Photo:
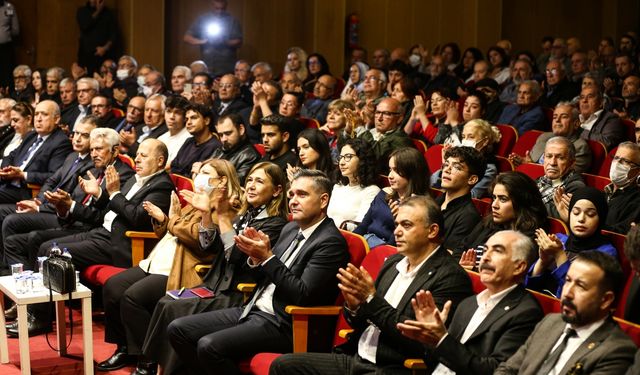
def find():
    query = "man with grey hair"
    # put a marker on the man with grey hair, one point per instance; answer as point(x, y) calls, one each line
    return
point(522, 71)
point(558, 160)
point(198, 66)
point(262, 72)
point(52, 89)
point(153, 126)
point(86, 89)
point(486, 328)
point(180, 76)
point(526, 113)
point(5, 113)
point(22, 90)
point(597, 123)
point(228, 100)
point(557, 86)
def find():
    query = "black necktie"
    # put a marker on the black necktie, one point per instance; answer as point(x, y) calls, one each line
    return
point(283, 258)
point(550, 363)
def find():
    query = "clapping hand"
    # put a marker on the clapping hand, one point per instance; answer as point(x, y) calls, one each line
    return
point(90, 186)
point(468, 259)
point(255, 244)
point(428, 327)
point(356, 285)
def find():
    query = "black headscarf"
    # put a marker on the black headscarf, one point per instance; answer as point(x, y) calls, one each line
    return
point(576, 244)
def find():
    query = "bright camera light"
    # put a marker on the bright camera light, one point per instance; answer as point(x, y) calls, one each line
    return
point(214, 29)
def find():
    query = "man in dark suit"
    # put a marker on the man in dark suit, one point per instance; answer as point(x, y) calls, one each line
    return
point(152, 128)
point(86, 89)
point(582, 338)
point(228, 100)
point(121, 210)
point(373, 311)
point(39, 155)
point(39, 213)
point(597, 123)
point(300, 271)
point(632, 252)
point(24, 233)
point(487, 328)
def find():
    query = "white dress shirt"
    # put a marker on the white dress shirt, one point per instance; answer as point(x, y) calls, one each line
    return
point(582, 334)
point(587, 123)
point(140, 182)
point(368, 343)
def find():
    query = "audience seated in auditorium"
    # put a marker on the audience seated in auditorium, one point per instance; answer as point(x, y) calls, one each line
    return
point(380, 59)
point(499, 60)
point(557, 87)
point(134, 116)
point(623, 193)
point(486, 328)
point(228, 99)
point(440, 78)
point(186, 241)
point(313, 153)
point(374, 309)
point(559, 173)
point(298, 270)
point(375, 83)
point(323, 91)
point(180, 76)
point(461, 170)
point(386, 136)
point(102, 109)
point(19, 125)
point(405, 92)
point(526, 113)
point(489, 87)
point(68, 95)
point(242, 71)
point(356, 188)
point(266, 97)
point(236, 147)
point(153, 126)
point(22, 89)
point(264, 208)
point(39, 156)
point(579, 67)
point(483, 137)
point(276, 136)
point(154, 84)
point(628, 108)
point(597, 123)
point(202, 143)
point(355, 83)
point(295, 63)
point(337, 123)
point(592, 277)
point(408, 176)
point(587, 211)
point(86, 89)
point(317, 66)
point(521, 71)
point(175, 119)
point(516, 205)
point(52, 90)
point(289, 82)
point(565, 124)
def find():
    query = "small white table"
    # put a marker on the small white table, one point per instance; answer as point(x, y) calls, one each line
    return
point(7, 287)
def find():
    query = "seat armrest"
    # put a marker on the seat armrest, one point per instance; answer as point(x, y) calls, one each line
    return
point(344, 333)
point(137, 244)
point(414, 364)
point(300, 319)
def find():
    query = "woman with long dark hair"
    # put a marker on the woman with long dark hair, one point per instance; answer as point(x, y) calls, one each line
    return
point(317, 66)
point(408, 175)
point(517, 205)
point(313, 153)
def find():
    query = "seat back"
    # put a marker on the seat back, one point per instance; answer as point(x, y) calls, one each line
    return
point(372, 262)
point(127, 160)
point(532, 170)
point(434, 158)
point(358, 247)
point(482, 206)
point(606, 163)
point(260, 148)
point(557, 226)
point(629, 130)
point(503, 164)
point(526, 142)
point(617, 240)
point(422, 147)
point(622, 298)
point(598, 154)
point(631, 329)
point(117, 112)
point(508, 140)
point(476, 284)
point(595, 181)
point(181, 183)
point(549, 304)
point(310, 123)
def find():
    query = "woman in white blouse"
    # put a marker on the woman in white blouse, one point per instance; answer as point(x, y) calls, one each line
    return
point(22, 124)
point(352, 196)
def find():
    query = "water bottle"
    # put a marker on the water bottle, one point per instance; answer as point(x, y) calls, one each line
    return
point(55, 249)
point(66, 253)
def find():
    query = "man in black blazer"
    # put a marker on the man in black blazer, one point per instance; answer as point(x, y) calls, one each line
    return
point(39, 213)
point(38, 157)
point(121, 210)
point(24, 233)
point(228, 100)
point(587, 339)
point(486, 328)
point(597, 123)
point(152, 128)
point(374, 311)
point(300, 271)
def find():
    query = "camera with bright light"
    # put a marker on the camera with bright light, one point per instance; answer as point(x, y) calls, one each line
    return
point(214, 29)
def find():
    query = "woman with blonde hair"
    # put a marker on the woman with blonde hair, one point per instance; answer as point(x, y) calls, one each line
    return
point(297, 63)
point(264, 208)
point(171, 264)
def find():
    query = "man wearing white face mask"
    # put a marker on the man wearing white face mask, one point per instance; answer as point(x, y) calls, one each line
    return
point(623, 194)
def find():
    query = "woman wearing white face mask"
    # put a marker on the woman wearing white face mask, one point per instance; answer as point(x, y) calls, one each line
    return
point(264, 208)
point(483, 137)
point(171, 264)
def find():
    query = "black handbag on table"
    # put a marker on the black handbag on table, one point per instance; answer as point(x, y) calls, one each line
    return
point(59, 274)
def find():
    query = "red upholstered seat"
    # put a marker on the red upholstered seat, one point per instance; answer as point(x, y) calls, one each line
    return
point(526, 142)
point(98, 274)
point(509, 139)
